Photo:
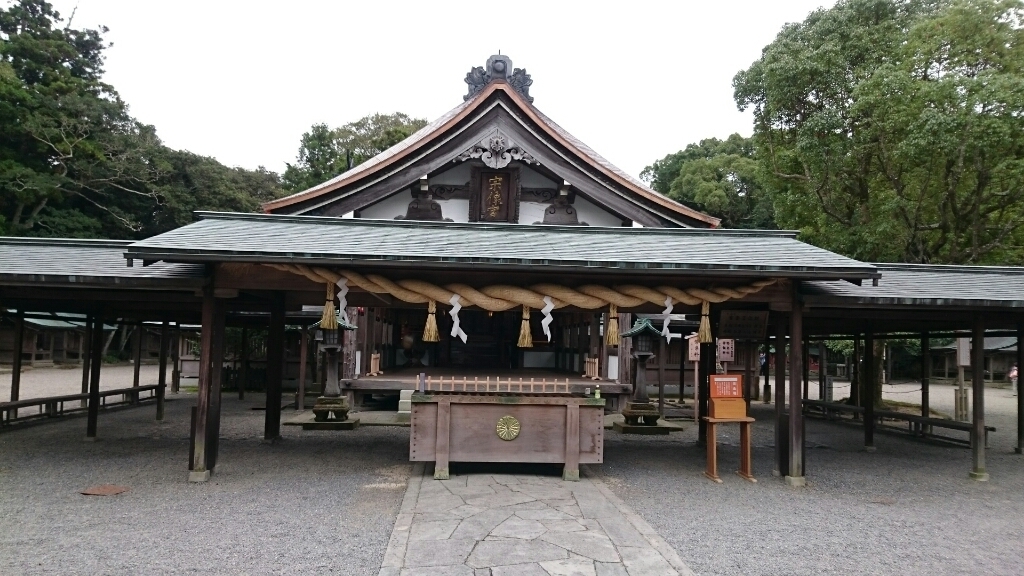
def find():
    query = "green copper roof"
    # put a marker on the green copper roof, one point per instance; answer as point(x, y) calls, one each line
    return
point(639, 327)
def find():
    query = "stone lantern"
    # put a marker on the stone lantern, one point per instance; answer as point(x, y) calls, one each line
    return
point(639, 411)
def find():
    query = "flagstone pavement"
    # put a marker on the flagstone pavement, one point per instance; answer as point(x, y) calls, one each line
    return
point(522, 525)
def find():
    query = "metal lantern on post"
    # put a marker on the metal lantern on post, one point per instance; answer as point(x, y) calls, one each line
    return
point(639, 411)
point(331, 403)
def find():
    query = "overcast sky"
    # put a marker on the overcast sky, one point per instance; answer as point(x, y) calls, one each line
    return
point(241, 81)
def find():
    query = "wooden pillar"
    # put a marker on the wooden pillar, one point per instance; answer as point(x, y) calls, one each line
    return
point(176, 359)
point(96, 351)
point(137, 351)
point(243, 371)
point(603, 349)
point(662, 348)
point(978, 389)
point(275, 368)
point(161, 378)
point(855, 374)
point(867, 391)
point(300, 400)
point(781, 433)
point(202, 445)
point(1020, 389)
point(767, 393)
point(86, 355)
point(926, 373)
point(708, 353)
point(822, 369)
point(19, 343)
point(795, 477)
point(806, 360)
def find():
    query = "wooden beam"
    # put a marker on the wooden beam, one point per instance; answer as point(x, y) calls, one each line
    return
point(978, 471)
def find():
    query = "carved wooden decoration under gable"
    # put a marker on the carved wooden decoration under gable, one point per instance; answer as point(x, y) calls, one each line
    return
point(494, 195)
point(496, 150)
point(562, 212)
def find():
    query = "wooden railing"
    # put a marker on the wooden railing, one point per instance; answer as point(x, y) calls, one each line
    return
point(592, 369)
point(497, 385)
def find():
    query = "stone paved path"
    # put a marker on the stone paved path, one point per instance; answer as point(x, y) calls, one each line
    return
point(519, 525)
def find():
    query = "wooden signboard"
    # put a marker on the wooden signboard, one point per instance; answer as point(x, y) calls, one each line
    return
point(694, 348)
point(727, 397)
point(494, 196)
point(963, 352)
point(743, 325)
point(727, 386)
point(726, 350)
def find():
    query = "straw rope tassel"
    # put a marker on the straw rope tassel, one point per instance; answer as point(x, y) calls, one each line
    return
point(430, 330)
point(525, 337)
point(704, 332)
point(612, 333)
point(329, 319)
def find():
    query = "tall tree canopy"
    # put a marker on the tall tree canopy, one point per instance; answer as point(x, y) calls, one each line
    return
point(719, 177)
point(73, 162)
point(893, 130)
point(325, 152)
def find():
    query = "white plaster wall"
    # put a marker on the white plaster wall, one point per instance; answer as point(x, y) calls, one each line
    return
point(531, 179)
point(457, 176)
point(398, 205)
point(594, 215)
point(530, 212)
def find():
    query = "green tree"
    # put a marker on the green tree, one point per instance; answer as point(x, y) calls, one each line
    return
point(74, 163)
point(894, 130)
point(719, 177)
point(325, 152)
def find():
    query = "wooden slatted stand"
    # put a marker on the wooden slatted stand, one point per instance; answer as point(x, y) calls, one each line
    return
point(746, 461)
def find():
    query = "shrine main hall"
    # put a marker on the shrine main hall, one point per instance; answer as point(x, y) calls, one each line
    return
point(510, 287)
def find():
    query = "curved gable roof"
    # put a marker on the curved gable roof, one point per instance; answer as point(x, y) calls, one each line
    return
point(421, 138)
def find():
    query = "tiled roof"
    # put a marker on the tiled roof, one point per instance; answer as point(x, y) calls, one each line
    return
point(42, 261)
point(925, 285)
point(306, 239)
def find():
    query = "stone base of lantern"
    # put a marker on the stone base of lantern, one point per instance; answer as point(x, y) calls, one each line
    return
point(331, 413)
point(641, 418)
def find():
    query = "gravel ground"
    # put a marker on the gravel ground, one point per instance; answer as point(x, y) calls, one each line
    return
point(908, 508)
point(42, 382)
point(315, 502)
point(322, 502)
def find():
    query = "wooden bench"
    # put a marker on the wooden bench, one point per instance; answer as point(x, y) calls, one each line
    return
point(917, 425)
point(53, 406)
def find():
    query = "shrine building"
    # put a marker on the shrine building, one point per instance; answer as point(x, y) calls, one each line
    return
point(492, 247)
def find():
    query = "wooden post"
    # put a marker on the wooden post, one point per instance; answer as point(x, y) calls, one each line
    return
point(86, 354)
point(19, 343)
point(796, 425)
point(822, 369)
point(603, 350)
point(926, 373)
point(806, 359)
point(96, 350)
point(781, 434)
point(1020, 389)
point(300, 401)
point(200, 472)
point(137, 341)
point(216, 385)
point(661, 375)
point(275, 368)
point(176, 360)
point(978, 388)
point(243, 371)
point(161, 378)
point(855, 374)
point(867, 391)
point(766, 395)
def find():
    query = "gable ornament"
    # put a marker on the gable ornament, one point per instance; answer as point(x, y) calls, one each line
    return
point(496, 150)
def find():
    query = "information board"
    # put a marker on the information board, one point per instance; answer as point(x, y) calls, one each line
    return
point(727, 386)
point(726, 350)
point(743, 325)
point(694, 348)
